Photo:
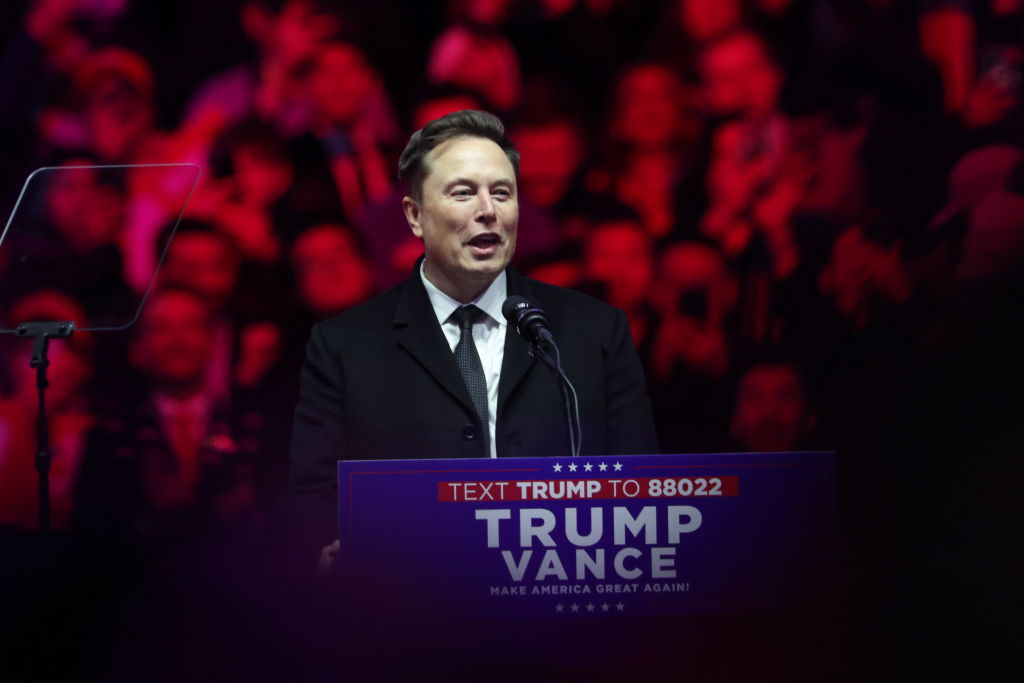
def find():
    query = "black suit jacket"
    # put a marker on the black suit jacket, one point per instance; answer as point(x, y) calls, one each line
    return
point(380, 381)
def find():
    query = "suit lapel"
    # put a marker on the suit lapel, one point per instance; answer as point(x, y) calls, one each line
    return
point(516, 360)
point(418, 332)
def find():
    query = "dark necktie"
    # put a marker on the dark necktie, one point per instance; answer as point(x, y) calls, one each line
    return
point(468, 360)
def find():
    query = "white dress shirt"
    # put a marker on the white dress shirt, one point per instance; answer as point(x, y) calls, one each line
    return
point(488, 335)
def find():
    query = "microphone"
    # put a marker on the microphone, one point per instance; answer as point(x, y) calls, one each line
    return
point(531, 322)
point(533, 325)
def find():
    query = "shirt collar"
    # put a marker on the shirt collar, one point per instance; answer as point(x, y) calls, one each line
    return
point(489, 301)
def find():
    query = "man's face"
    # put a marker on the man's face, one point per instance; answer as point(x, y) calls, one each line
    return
point(117, 116)
point(647, 106)
point(175, 343)
point(204, 263)
point(260, 177)
point(740, 78)
point(705, 19)
point(771, 409)
point(341, 82)
point(331, 273)
point(551, 155)
point(619, 255)
point(468, 215)
point(686, 273)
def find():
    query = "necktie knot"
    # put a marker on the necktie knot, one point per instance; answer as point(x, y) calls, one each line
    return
point(467, 316)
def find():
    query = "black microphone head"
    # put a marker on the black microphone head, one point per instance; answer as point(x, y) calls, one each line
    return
point(513, 306)
point(531, 322)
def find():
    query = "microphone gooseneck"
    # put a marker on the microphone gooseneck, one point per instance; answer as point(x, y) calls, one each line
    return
point(533, 325)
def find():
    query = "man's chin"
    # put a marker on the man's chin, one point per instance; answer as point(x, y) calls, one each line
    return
point(487, 266)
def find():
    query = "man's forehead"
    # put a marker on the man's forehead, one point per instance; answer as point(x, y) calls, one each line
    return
point(465, 155)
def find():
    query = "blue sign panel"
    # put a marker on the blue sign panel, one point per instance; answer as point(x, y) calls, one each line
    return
point(587, 537)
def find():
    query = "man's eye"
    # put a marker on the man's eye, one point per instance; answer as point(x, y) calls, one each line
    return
point(462, 193)
point(501, 194)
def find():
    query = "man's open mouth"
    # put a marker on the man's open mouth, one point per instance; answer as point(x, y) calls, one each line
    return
point(485, 241)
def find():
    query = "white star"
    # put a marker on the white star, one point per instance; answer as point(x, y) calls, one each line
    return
point(588, 467)
point(618, 466)
point(572, 467)
point(603, 467)
point(559, 608)
point(556, 467)
point(620, 607)
point(575, 607)
point(590, 607)
point(605, 606)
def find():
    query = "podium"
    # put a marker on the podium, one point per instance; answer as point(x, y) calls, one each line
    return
point(588, 538)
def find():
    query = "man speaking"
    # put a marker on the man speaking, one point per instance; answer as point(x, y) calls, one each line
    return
point(431, 369)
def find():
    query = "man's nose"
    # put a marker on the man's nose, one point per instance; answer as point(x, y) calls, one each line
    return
point(485, 209)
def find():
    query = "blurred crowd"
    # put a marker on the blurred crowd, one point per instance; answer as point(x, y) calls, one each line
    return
point(811, 211)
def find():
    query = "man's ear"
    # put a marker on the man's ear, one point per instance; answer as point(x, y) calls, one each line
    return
point(412, 215)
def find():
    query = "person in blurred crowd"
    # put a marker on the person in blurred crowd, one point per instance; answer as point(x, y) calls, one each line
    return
point(555, 148)
point(766, 174)
point(617, 266)
point(250, 195)
point(741, 85)
point(686, 26)
point(204, 259)
point(109, 113)
point(947, 34)
point(68, 410)
point(173, 460)
point(208, 262)
point(472, 53)
point(285, 34)
point(695, 296)
point(690, 349)
point(341, 160)
point(331, 270)
point(551, 132)
point(773, 411)
point(653, 129)
point(740, 77)
point(753, 192)
point(245, 299)
point(865, 278)
point(706, 20)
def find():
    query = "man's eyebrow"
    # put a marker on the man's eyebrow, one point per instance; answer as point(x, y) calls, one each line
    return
point(468, 181)
point(459, 181)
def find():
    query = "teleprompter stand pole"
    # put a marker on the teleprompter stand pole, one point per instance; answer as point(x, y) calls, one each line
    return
point(43, 332)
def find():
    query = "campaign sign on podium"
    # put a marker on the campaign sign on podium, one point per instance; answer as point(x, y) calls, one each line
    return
point(589, 536)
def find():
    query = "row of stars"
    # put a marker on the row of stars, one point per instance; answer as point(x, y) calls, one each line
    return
point(587, 467)
point(590, 607)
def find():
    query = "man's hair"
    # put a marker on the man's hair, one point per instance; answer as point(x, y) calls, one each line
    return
point(412, 166)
